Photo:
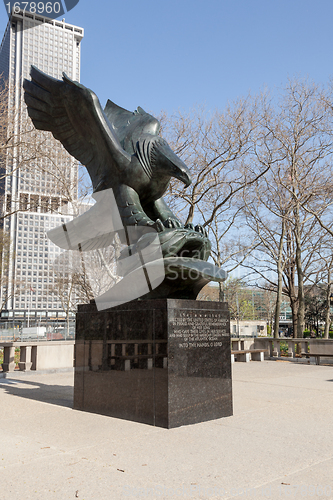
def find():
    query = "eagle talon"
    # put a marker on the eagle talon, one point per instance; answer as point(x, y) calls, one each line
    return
point(158, 225)
point(172, 223)
point(200, 229)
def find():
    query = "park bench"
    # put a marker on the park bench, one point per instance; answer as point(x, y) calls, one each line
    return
point(320, 349)
point(317, 356)
point(248, 355)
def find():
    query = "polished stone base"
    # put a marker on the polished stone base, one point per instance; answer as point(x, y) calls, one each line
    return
point(162, 362)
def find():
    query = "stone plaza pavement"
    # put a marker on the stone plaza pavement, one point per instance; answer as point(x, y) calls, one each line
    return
point(278, 444)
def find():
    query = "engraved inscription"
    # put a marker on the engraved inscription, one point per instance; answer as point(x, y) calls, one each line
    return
point(198, 329)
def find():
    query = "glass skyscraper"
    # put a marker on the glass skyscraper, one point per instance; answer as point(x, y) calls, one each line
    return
point(41, 193)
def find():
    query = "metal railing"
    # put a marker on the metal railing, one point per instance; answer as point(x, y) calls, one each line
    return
point(21, 331)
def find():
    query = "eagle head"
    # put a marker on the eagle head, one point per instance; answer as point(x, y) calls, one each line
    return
point(158, 159)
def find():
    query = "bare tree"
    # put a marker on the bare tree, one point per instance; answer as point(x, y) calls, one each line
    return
point(299, 146)
point(219, 149)
point(6, 258)
point(83, 276)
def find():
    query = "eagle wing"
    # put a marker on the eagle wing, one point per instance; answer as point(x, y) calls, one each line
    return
point(75, 117)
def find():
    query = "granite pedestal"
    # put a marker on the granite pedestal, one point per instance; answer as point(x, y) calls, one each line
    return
point(162, 362)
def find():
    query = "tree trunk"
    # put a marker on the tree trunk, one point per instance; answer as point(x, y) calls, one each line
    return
point(279, 287)
point(277, 313)
point(221, 293)
point(328, 306)
point(301, 303)
point(292, 297)
point(293, 306)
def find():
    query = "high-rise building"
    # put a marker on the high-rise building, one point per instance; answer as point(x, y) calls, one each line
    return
point(35, 191)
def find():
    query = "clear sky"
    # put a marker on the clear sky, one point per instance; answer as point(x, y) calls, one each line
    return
point(166, 55)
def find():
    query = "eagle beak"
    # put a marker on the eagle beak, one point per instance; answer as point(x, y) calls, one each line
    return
point(171, 163)
point(183, 174)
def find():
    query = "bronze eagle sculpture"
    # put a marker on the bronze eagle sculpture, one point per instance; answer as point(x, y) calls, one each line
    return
point(124, 154)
